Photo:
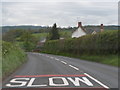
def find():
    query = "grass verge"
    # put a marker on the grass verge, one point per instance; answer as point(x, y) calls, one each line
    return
point(12, 58)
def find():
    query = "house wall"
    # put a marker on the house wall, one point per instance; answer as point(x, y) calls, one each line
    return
point(78, 33)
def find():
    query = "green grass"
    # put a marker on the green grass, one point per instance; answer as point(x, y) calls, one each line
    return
point(108, 59)
point(12, 58)
point(40, 35)
point(64, 34)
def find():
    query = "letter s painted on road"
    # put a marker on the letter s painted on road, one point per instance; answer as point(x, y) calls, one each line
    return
point(18, 82)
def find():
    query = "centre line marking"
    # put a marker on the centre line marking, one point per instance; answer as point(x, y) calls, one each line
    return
point(74, 67)
point(63, 62)
point(96, 81)
point(51, 57)
point(56, 59)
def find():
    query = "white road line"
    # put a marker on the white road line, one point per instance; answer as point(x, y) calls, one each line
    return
point(96, 81)
point(63, 62)
point(74, 67)
point(51, 57)
point(57, 59)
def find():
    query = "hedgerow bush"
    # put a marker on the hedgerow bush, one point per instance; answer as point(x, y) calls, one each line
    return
point(12, 58)
point(101, 43)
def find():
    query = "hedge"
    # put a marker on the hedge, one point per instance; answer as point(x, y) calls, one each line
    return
point(101, 43)
point(12, 58)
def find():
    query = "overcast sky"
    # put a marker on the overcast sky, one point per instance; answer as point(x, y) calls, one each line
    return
point(63, 13)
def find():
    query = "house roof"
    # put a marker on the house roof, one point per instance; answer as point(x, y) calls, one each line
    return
point(90, 30)
point(79, 32)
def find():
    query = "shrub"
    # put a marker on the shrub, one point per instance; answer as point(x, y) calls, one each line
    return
point(101, 43)
point(12, 58)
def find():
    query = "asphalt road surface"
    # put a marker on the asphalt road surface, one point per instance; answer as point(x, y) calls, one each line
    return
point(45, 70)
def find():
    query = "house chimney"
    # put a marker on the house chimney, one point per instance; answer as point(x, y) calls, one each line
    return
point(101, 28)
point(79, 24)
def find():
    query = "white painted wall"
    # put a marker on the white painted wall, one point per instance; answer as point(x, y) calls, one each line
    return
point(78, 33)
point(94, 32)
point(44, 40)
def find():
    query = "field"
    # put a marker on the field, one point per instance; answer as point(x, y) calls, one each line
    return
point(63, 34)
point(66, 34)
point(40, 35)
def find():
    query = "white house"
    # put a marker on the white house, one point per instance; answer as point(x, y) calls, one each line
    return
point(94, 32)
point(79, 32)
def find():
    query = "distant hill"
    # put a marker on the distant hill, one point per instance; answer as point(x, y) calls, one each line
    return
point(35, 28)
point(111, 27)
point(46, 28)
point(90, 29)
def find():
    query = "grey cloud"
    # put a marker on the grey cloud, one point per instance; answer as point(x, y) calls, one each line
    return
point(63, 13)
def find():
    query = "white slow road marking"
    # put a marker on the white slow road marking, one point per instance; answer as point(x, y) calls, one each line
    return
point(74, 67)
point(63, 62)
point(96, 81)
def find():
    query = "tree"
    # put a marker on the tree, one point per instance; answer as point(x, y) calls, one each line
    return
point(29, 41)
point(53, 34)
point(11, 35)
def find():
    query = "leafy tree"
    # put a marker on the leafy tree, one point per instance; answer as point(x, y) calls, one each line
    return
point(53, 34)
point(11, 35)
point(29, 41)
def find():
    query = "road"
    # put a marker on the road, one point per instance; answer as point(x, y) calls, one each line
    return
point(45, 70)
